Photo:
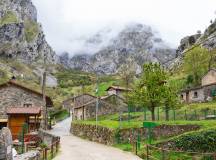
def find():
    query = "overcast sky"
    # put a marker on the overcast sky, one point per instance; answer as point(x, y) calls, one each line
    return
point(67, 22)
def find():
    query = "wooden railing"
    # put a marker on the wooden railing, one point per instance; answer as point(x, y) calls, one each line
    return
point(50, 151)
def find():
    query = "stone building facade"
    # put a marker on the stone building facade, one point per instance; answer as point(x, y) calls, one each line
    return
point(202, 93)
point(107, 105)
point(13, 94)
point(117, 90)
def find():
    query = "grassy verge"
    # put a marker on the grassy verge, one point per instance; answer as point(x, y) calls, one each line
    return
point(60, 115)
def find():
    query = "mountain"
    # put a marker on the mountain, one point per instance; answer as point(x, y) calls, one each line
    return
point(23, 46)
point(207, 39)
point(135, 42)
point(21, 36)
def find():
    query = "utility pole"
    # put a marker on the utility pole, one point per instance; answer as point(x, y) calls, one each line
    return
point(97, 100)
point(44, 110)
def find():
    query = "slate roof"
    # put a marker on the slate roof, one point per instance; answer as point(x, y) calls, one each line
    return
point(14, 83)
point(118, 88)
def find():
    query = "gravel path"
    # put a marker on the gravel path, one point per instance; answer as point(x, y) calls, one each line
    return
point(74, 148)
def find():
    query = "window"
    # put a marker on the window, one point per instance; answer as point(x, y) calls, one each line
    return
point(27, 105)
point(195, 94)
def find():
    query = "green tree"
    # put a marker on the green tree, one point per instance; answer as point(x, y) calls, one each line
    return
point(171, 98)
point(196, 63)
point(149, 90)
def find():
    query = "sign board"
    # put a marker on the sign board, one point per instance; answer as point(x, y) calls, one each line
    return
point(149, 124)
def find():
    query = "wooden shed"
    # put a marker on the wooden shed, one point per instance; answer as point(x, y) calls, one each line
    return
point(18, 116)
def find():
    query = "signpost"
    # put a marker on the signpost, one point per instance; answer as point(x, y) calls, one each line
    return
point(149, 126)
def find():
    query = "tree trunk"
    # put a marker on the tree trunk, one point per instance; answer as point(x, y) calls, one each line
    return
point(167, 113)
point(153, 113)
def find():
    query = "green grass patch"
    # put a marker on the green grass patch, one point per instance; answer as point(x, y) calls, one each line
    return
point(9, 17)
point(31, 30)
point(60, 115)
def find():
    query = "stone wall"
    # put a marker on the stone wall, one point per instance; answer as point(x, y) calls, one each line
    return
point(100, 134)
point(200, 95)
point(5, 144)
point(104, 108)
point(46, 137)
point(31, 155)
point(11, 96)
point(158, 132)
point(203, 94)
point(110, 136)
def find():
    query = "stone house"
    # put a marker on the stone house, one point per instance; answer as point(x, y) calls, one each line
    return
point(13, 94)
point(205, 92)
point(86, 108)
point(117, 90)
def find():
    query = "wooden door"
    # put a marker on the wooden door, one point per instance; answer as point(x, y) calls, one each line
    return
point(16, 123)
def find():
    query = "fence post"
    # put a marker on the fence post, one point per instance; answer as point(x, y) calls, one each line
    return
point(147, 152)
point(57, 146)
point(174, 118)
point(214, 156)
point(195, 114)
point(45, 153)
point(145, 114)
point(185, 115)
point(205, 114)
point(138, 141)
point(52, 150)
point(163, 153)
point(136, 145)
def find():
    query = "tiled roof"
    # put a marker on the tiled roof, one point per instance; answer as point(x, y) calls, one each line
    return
point(198, 87)
point(23, 110)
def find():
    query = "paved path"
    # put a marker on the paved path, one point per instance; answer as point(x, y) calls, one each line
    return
point(74, 148)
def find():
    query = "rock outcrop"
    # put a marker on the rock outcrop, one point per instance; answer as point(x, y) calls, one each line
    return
point(136, 43)
point(207, 39)
point(21, 36)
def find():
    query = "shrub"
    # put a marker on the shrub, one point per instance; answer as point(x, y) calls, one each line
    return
point(202, 141)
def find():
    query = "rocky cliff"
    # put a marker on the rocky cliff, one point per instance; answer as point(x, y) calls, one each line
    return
point(136, 43)
point(206, 39)
point(21, 36)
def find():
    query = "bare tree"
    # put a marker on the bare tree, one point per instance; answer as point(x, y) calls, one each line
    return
point(127, 72)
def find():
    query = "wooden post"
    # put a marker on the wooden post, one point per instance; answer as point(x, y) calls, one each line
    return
point(174, 115)
point(185, 115)
point(195, 114)
point(43, 150)
point(163, 153)
point(56, 146)
point(147, 152)
point(51, 150)
point(136, 144)
point(46, 149)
